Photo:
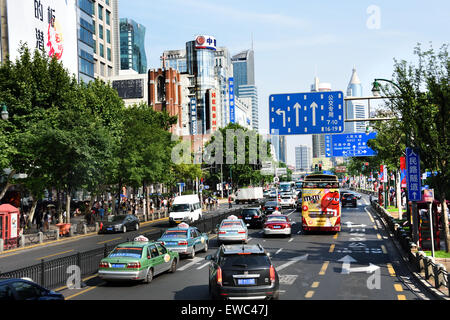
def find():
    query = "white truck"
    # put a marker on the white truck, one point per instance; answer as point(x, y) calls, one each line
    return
point(249, 195)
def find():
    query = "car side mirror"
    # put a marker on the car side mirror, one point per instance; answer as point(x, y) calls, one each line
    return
point(208, 257)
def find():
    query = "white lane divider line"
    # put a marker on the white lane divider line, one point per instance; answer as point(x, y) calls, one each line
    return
point(203, 265)
point(194, 261)
point(292, 261)
point(278, 251)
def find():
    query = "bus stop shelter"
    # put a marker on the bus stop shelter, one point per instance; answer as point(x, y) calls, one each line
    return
point(9, 225)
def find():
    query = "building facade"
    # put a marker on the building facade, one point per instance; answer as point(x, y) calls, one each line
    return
point(106, 38)
point(303, 158)
point(85, 30)
point(318, 140)
point(132, 46)
point(356, 109)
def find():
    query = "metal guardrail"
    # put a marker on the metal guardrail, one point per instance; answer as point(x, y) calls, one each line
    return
point(55, 273)
point(434, 272)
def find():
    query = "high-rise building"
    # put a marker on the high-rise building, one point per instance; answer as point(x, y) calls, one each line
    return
point(106, 38)
point(244, 81)
point(132, 46)
point(86, 30)
point(318, 140)
point(303, 158)
point(356, 109)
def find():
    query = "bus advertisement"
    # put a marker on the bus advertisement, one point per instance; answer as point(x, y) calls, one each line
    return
point(321, 207)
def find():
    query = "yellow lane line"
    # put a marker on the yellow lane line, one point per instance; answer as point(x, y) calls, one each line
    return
point(81, 292)
point(398, 287)
point(109, 240)
point(84, 280)
point(335, 236)
point(315, 284)
point(331, 248)
point(309, 294)
point(55, 254)
point(378, 236)
point(401, 297)
point(324, 268)
point(384, 249)
point(391, 270)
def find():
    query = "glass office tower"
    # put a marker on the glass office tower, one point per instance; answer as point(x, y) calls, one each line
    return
point(86, 43)
point(132, 46)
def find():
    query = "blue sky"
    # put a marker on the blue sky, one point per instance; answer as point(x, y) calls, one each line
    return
point(294, 40)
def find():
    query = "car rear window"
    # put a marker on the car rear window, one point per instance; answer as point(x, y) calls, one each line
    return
point(253, 260)
point(231, 224)
point(247, 211)
point(131, 252)
point(175, 234)
point(271, 204)
point(277, 219)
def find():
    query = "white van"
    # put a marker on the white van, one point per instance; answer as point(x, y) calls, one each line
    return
point(185, 209)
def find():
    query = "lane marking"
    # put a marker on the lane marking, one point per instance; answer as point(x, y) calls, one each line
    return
point(202, 266)
point(194, 261)
point(109, 240)
point(335, 236)
point(279, 250)
point(81, 292)
point(315, 284)
point(84, 280)
point(55, 254)
point(292, 261)
point(384, 249)
point(309, 294)
point(324, 268)
point(398, 287)
point(331, 248)
point(391, 270)
point(401, 297)
point(291, 239)
point(378, 236)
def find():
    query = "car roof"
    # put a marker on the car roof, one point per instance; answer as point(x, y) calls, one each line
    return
point(242, 248)
point(136, 243)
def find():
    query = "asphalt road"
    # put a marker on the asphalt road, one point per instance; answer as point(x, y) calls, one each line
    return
point(358, 263)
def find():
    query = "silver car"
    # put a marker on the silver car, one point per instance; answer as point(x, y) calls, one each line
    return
point(232, 229)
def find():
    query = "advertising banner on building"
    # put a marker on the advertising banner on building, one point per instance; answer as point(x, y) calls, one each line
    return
point(213, 106)
point(205, 42)
point(231, 100)
point(193, 116)
point(46, 25)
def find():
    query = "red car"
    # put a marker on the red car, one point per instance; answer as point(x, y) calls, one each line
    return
point(276, 224)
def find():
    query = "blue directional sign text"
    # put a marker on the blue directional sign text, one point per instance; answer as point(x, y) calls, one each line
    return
point(413, 183)
point(306, 113)
point(349, 145)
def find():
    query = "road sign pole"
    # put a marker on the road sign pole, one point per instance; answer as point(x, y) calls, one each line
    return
point(431, 228)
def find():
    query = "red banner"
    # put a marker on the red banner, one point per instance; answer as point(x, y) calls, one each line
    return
point(403, 171)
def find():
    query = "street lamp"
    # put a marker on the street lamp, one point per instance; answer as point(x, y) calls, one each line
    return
point(4, 113)
point(376, 87)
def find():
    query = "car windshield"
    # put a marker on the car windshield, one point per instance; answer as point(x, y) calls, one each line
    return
point(180, 207)
point(178, 234)
point(119, 218)
point(271, 204)
point(131, 252)
point(245, 261)
point(276, 219)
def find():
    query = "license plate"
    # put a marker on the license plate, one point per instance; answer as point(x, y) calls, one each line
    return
point(117, 265)
point(248, 218)
point(276, 227)
point(110, 229)
point(269, 208)
point(243, 282)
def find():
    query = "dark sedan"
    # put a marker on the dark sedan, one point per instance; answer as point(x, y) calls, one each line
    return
point(348, 198)
point(22, 289)
point(121, 223)
point(253, 217)
point(270, 207)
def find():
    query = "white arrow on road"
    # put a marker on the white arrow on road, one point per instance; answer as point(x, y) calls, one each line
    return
point(346, 269)
point(314, 106)
point(297, 107)
point(292, 261)
point(351, 225)
point(279, 112)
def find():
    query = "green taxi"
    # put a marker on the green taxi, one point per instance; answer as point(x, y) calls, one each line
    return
point(140, 259)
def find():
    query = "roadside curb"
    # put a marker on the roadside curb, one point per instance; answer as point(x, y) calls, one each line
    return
point(433, 291)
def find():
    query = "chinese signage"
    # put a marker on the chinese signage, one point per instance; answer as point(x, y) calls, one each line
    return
point(193, 112)
point(231, 99)
point(205, 42)
point(403, 171)
point(349, 145)
point(46, 25)
point(413, 182)
point(213, 103)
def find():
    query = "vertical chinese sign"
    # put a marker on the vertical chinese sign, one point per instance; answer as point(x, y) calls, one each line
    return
point(413, 182)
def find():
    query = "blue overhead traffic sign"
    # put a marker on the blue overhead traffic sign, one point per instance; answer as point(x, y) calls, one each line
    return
point(306, 113)
point(349, 145)
point(413, 176)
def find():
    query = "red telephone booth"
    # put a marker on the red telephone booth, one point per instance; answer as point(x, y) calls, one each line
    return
point(9, 225)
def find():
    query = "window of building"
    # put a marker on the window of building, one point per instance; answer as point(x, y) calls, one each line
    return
point(108, 17)
point(107, 2)
point(100, 12)
point(108, 53)
point(102, 69)
point(160, 89)
point(102, 50)
point(87, 6)
point(100, 31)
point(95, 47)
point(108, 36)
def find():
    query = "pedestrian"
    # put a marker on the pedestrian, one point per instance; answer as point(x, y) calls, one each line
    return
point(229, 202)
point(101, 212)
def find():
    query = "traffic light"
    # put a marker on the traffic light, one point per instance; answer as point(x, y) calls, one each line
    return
point(316, 167)
point(320, 167)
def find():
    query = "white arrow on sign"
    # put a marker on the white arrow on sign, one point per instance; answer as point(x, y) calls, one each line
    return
point(314, 106)
point(297, 107)
point(346, 269)
point(279, 112)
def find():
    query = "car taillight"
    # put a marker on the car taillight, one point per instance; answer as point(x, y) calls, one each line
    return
point(240, 217)
point(134, 265)
point(277, 209)
point(354, 198)
point(182, 243)
point(163, 243)
point(256, 217)
point(241, 231)
point(222, 232)
point(272, 274)
point(263, 208)
point(103, 265)
point(219, 276)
